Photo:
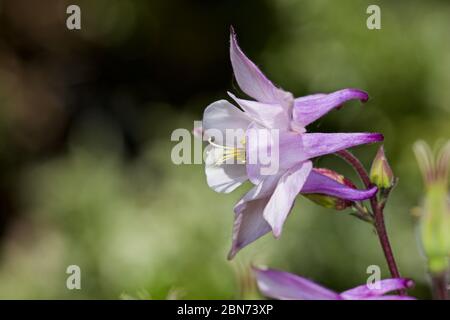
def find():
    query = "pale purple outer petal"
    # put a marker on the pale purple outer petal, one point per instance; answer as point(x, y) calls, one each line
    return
point(273, 116)
point(310, 108)
point(319, 144)
point(249, 223)
point(282, 199)
point(287, 286)
point(252, 81)
point(377, 289)
point(221, 116)
point(295, 148)
point(318, 183)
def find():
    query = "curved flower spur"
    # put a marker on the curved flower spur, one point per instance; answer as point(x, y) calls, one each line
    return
point(235, 137)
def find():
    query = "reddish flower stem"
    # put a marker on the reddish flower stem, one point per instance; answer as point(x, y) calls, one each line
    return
point(439, 286)
point(377, 209)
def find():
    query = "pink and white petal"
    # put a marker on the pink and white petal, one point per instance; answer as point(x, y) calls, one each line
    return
point(249, 223)
point(225, 177)
point(319, 144)
point(272, 116)
point(282, 199)
point(252, 81)
point(287, 286)
point(220, 118)
point(377, 289)
point(310, 108)
point(319, 183)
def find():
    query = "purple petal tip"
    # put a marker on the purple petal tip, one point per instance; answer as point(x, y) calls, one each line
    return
point(372, 191)
point(361, 95)
point(232, 34)
point(232, 253)
point(276, 233)
point(369, 193)
point(376, 137)
point(409, 283)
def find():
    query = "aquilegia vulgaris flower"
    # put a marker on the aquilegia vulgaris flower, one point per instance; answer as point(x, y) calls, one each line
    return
point(287, 286)
point(283, 118)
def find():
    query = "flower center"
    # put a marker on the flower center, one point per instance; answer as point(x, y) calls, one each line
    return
point(226, 153)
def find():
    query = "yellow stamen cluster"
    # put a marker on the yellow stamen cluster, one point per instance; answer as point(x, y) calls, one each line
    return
point(238, 154)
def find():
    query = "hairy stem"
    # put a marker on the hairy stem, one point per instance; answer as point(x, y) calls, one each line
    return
point(377, 209)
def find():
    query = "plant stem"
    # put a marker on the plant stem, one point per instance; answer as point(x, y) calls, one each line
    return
point(377, 209)
point(439, 285)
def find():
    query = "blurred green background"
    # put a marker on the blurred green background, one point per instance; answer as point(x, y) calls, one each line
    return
point(86, 116)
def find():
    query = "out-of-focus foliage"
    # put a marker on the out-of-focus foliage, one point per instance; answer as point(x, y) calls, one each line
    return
point(85, 124)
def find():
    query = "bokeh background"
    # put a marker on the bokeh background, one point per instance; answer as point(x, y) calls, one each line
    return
point(86, 116)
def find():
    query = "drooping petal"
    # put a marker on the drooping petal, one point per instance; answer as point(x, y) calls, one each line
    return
point(223, 177)
point(310, 108)
point(319, 183)
point(287, 286)
point(221, 118)
point(319, 144)
point(252, 81)
point(268, 115)
point(282, 199)
point(249, 223)
point(377, 289)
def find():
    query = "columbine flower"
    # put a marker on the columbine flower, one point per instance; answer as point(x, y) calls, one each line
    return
point(287, 286)
point(435, 218)
point(266, 206)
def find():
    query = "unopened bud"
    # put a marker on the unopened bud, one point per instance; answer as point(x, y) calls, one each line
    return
point(435, 216)
point(435, 228)
point(381, 173)
point(330, 201)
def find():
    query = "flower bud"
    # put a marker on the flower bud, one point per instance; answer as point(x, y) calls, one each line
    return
point(435, 215)
point(381, 173)
point(330, 201)
point(435, 228)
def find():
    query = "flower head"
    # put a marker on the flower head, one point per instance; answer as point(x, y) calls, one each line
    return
point(287, 286)
point(272, 125)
